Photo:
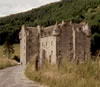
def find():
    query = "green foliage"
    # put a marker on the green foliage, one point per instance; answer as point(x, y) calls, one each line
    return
point(75, 10)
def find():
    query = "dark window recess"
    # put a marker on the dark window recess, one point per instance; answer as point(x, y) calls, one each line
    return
point(44, 33)
point(49, 33)
point(80, 29)
point(51, 52)
point(51, 43)
point(42, 44)
point(29, 47)
point(30, 40)
point(46, 44)
point(30, 32)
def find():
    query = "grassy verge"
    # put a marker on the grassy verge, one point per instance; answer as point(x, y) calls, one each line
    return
point(16, 51)
point(69, 74)
point(7, 63)
point(4, 61)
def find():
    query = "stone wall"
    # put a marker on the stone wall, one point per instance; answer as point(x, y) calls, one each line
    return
point(32, 42)
point(48, 48)
point(65, 40)
point(66, 43)
point(22, 36)
point(83, 43)
point(74, 41)
point(29, 43)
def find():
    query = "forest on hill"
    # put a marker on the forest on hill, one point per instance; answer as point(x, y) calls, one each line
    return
point(75, 10)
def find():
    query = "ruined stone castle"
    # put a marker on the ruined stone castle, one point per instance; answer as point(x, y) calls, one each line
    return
point(69, 41)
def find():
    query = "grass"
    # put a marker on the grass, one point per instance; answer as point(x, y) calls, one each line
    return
point(69, 75)
point(4, 61)
point(16, 48)
point(7, 63)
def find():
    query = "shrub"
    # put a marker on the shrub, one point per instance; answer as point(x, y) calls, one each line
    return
point(16, 58)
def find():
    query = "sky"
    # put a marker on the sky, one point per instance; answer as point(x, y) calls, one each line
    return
point(8, 7)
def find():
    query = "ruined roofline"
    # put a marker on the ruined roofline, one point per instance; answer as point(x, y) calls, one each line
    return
point(65, 23)
point(82, 26)
point(28, 27)
point(31, 27)
point(59, 25)
point(40, 28)
point(52, 26)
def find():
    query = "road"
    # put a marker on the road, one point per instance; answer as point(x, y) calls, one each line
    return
point(14, 77)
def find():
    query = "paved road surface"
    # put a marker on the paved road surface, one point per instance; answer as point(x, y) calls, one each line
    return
point(14, 77)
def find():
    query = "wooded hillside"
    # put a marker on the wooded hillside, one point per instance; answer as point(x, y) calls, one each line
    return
point(75, 10)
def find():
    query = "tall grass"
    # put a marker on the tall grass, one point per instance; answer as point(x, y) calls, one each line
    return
point(68, 75)
point(16, 51)
point(4, 61)
point(7, 63)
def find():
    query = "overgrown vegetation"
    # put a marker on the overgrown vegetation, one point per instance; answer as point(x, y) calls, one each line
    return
point(75, 10)
point(68, 75)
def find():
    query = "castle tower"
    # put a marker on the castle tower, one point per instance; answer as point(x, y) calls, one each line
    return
point(56, 30)
point(22, 38)
point(57, 34)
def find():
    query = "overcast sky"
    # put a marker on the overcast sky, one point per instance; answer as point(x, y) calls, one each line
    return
point(8, 7)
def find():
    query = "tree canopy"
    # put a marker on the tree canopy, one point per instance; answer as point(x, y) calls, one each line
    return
point(75, 10)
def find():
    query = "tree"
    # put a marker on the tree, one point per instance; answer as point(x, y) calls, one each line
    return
point(8, 47)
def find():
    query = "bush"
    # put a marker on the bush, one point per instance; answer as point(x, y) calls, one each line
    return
point(16, 58)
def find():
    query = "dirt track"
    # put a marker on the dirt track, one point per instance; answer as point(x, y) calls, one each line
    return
point(14, 77)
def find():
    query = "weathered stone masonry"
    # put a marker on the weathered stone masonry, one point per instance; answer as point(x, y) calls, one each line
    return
point(28, 43)
point(65, 40)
